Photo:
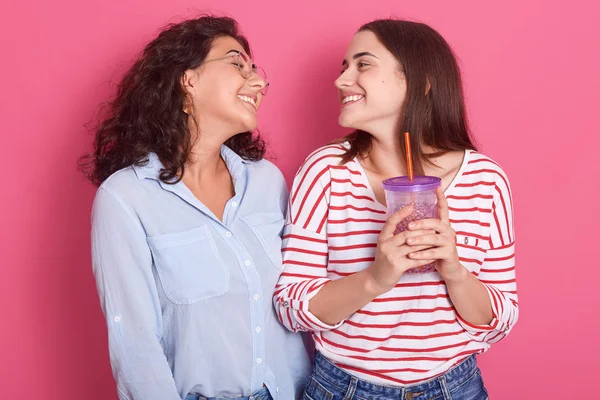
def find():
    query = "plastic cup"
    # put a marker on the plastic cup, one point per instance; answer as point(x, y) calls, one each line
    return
point(401, 191)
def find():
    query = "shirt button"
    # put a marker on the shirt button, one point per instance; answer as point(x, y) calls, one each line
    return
point(258, 360)
point(228, 234)
point(256, 297)
point(286, 303)
point(257, 329)
point(247, 263)
point(117, 318)
point(234, 204)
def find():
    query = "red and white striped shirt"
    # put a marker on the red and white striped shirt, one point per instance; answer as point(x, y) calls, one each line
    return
point(411, 333)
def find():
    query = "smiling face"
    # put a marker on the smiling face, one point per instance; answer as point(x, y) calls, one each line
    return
point(223, 100)
point(371, 87)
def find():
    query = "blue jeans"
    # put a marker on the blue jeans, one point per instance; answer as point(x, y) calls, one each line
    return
point(262, 394)
point(328, 382)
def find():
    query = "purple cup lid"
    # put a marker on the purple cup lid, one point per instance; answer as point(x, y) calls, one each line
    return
point(418, 184)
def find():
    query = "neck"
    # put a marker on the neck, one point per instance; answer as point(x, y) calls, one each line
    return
point(205, 158)
point(385, 158)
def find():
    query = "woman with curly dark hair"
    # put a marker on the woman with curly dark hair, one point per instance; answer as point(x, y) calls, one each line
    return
point(186, 225)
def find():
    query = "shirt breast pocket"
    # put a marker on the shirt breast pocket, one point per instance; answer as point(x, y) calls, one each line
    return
point(189, 266)
point(471, 250)
point(267, 228)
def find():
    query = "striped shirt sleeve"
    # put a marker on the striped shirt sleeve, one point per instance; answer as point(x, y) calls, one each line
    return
point(305, 250)
point(498, 270)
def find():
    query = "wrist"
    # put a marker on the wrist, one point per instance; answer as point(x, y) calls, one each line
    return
point(371, 285)
point(457, 275)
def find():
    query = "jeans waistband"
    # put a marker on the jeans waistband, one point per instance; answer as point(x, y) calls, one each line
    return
point(261, 394)
point(431, 388)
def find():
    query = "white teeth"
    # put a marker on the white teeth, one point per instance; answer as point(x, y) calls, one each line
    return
point(355, 97)
point(247, 99)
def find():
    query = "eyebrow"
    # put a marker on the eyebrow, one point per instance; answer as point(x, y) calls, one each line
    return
point(358, 55)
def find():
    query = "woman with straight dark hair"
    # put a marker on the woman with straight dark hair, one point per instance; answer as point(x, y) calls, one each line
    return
point(381, 330)
point(186, 225)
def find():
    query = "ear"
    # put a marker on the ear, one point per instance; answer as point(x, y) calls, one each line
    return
point(188, 80)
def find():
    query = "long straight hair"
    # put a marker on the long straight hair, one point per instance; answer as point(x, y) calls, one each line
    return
point(434, 110)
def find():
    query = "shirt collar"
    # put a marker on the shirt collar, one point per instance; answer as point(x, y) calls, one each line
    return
point(151, 169)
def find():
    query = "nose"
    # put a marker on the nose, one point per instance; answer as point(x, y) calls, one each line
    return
point(345, 80)
point(258, 83)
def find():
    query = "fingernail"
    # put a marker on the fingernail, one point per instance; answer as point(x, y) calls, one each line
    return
point(412, 225)
point(410, 240)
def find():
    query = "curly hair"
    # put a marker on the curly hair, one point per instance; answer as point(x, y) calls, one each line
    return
point(147, 114)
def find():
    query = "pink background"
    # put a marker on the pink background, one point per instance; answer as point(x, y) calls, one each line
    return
point(531, 72)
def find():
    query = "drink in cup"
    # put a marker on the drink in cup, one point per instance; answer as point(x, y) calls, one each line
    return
point(402, 191)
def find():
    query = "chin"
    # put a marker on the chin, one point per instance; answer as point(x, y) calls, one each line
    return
point(346, 122)
point(251, 124)
point(248, 124)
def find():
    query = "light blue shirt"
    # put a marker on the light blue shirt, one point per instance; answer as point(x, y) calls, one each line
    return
point(188, 298)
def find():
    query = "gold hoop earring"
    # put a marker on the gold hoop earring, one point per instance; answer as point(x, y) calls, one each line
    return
point(189, 103)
